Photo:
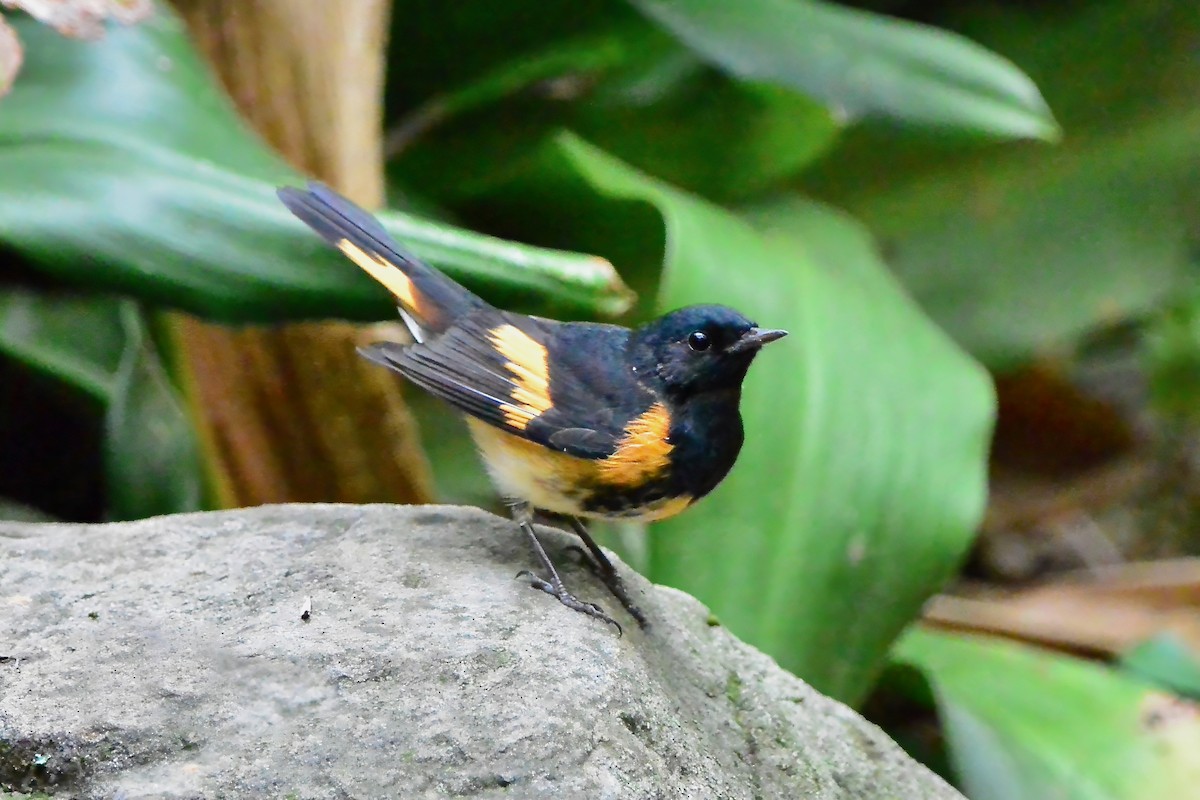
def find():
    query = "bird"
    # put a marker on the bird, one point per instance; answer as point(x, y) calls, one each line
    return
point(576, 419)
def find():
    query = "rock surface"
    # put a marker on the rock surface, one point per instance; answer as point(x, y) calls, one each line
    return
point(167, 659)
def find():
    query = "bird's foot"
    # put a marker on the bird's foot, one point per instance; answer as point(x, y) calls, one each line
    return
point(556, 590)
point(609, 577)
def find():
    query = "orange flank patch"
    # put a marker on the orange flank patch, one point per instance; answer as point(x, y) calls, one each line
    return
point(644, 452)
point(525, 470)
point(664, 508)
point(550, 480)
point(525, 361)
point(384, 271)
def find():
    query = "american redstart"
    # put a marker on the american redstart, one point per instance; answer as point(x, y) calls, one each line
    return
point(578, 419)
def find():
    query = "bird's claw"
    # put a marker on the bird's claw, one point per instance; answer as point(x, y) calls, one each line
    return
point(569, 600)
point(612, 581)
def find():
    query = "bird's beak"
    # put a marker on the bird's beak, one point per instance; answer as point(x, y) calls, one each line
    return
point(756, 338)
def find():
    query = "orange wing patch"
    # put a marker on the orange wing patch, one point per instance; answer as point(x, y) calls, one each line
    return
point(526, 361)
point(643, 453)
point(387, 273)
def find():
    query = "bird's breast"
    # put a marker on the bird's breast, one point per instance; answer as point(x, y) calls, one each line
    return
point(706, 439)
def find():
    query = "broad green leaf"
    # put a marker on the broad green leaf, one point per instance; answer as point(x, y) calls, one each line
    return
point(1021, 255)
point(633, 91)
point(486, 36)
point(722, 139)
point(123, 168)
point(1123, 79)
point(862, 477)
point(1167, 661)
point(98, 345)
point(577, 58)
point(1022, 723)
point(469, 137)
point(861, 64)
point(78, 340)
point(1021, 251)
point(152, 462)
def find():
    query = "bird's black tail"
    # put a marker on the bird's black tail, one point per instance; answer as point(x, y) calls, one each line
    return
point(425, 296)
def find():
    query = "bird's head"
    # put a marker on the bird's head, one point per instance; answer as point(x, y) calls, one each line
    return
point(699, 348)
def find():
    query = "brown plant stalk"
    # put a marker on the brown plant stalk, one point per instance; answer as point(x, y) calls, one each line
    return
point(291, 413)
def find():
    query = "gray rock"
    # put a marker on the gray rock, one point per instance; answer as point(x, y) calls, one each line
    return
point(19, 512)
point(167, 659)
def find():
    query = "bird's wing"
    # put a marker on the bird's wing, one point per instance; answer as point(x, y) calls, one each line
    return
point(511, 372)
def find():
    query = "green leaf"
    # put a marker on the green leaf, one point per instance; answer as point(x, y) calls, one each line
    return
point(1167, 661)
point(1172, 362)
point(633, 91)
point(719, 138)
point(1021, 723)
point(1018, 252)
point(78, 340)
point(152, 462)
point(1019, 256)
point(123, 168)
point(862, 477)
point(486, 36)
point(861, 64)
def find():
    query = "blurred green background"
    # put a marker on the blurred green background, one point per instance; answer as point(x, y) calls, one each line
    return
point(969, 501)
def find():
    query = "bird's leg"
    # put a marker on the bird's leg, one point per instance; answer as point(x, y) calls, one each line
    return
point(523, 514)
point(606, 572)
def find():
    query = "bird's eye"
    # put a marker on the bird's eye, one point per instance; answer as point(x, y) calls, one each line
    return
point(698, 341)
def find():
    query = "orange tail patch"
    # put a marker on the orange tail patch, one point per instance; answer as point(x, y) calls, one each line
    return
point(387, 273)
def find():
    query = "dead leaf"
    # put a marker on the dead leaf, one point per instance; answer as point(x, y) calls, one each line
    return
point(1049, 425)
point(1103, 613)
point(1161, 710)
point(11, 56)
point(83, 19)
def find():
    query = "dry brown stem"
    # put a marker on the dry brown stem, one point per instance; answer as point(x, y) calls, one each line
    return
point(293, 414)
